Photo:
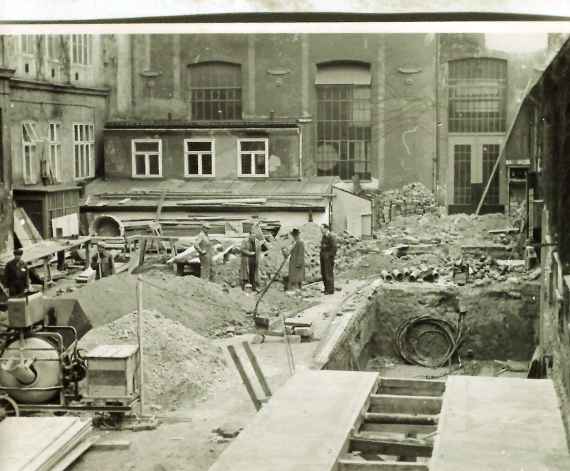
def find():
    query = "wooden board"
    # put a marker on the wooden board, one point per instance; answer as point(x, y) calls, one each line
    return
point(24, 228)
point(52, 437)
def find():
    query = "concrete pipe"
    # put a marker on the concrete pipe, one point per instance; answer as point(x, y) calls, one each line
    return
point(106, 226)
point(414, 276)
point(398, 275)
point(386, 276)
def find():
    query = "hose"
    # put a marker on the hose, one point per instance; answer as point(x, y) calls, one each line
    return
point(452, 335)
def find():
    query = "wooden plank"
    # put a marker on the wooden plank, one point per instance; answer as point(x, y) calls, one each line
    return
point(257, 369)
point(397, 428)
point(244, 377)
point(402, 419)
point(360, 465)
point(390, 447)
point(411, 387)
point(397, 404)
point(112, 445)
point(75, 453)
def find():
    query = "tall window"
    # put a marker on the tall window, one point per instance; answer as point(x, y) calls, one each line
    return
point(81, 49)
point(490, 154)
point(83, 150)
point(343, 119)
point(29, 149)
point(477, 95)
point(54, 149)
point(147, 158)
point(198, 158)
point(252, 158)
point(215, 91)
point(53, 44)
point(28, 44)
point(462, 174)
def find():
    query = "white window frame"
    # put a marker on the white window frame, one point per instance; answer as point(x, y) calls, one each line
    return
point(265, 153)
point(146, 154)
point(212, 153)
point(85, 150)
point(23, 39)
point(81, 49)
point(28, 170)
point(54, 148)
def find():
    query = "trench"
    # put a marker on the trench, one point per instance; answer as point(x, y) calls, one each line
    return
point(501, 323)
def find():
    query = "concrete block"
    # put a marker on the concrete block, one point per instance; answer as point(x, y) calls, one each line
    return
point(304, 331)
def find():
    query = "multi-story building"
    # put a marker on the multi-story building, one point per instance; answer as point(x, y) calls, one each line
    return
point(53, 110)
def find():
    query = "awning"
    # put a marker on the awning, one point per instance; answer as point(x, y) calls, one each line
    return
point(344, 74)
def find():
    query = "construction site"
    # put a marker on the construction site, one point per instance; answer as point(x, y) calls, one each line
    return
point(168, 309)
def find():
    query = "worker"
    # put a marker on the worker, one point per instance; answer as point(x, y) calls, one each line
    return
point(249, 262)
point(102, 262)
point(16, 275)
point(328, 254)
point(203, 246)
point(296, 275)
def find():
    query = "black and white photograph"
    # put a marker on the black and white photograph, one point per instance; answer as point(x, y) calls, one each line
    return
point(304, 237)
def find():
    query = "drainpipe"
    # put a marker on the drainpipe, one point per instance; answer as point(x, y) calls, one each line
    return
point(300, 133)
point(436, 117)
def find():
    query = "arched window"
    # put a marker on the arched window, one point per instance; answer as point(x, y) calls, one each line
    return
point(343, 119)
point(215, 91)
point(477, 95)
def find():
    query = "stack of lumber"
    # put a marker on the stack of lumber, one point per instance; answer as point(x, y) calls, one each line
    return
point(43, 443)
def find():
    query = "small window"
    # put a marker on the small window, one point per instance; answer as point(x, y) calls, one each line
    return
point(252, 158)
point(198, 158)
point(147, 158)
point(83, 150)
point(54, 149)
point(29, 148)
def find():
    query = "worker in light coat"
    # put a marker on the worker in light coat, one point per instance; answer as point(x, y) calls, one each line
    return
point(296, 275)
point(203, 246)
point(327, 256)
point(16, 275)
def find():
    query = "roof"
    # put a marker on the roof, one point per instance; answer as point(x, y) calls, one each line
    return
point(39, 187)
point(183, 124)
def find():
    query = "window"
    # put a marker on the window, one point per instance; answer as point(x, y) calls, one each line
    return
point(147, 157)
point(83, 150)
point(490, 155)
point(29, 148)
point(54, 149)
point(215, 91)
point(198, 158)
point(252, 160)
point(343, 120)
point(81, 49)
point(28, 44)
point(462, 174)
point(477, 95)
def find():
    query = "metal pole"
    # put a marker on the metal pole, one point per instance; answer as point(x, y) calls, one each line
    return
point(140, 340)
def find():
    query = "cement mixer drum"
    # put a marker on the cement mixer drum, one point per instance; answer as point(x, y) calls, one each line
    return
point(44, 362)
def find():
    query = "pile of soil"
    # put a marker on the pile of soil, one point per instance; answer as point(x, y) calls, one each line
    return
point(414, 198)
point(179, 364)
point(208, 308)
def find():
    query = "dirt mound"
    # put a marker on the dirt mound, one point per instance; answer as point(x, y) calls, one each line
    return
point(179, 364)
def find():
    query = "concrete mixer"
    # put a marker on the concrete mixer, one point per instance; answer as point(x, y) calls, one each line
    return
point(41, 367)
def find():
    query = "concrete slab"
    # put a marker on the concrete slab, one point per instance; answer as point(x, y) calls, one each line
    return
point(502, 424)
point(305, 425)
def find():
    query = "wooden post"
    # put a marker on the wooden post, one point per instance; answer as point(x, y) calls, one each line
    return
point(257, 369)
point(87, 255)
point(140, 341)
point(244, 378)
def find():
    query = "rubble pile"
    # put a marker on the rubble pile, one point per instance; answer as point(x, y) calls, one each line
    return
point(179, 364)
point(411, 199)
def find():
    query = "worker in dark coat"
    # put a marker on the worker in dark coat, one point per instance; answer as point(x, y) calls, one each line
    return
point(102, 262)
point(203, 246)
point(16, 275)
point(248, 267)
point(328, 254)
point(296, 261)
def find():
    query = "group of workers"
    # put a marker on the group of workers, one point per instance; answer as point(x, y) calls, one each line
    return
point(251, 250)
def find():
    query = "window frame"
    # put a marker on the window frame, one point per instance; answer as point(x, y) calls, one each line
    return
point(29, 127)
point(212, 153)
point(81, 52)
point(134, 154)
point(56, 146)
point(28, 37)
point(253, 153)
point(84, 144)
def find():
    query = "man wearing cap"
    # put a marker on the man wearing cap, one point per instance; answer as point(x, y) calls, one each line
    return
point(102, 262)
point(203, 246)
point(328, 254)
point(249, 261)
point(296, 262)
point(16, 275)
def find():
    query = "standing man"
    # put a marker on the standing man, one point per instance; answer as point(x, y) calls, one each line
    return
point(102, 262)
point(16, 275)
point(203, 246)
point(328, 254)
point(248, 267)
point(296, 262)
